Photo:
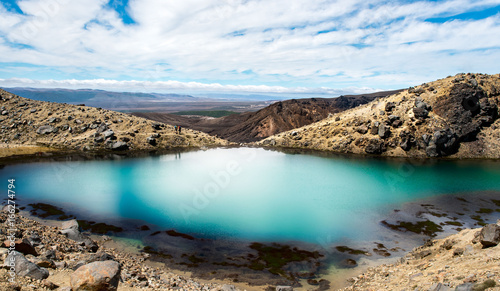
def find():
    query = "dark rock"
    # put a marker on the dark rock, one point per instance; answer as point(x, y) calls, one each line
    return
point(125, 139)
point(490, 235)
point(45, 129)
point(442, 143)
point(24, 267)
point(99, 139)
point(420, 113)
point(407, 140)
point(155, 135)
point(151, 141)
point(53, 120)
point(375, 146)
point(284, 288)
point(119, 146)
point(96, 276)
point(5, 112)
point(419, 103)
point(374, 128)
point(227, 287)
point(23, 246)
point(156, 126)
point(384, 131)
point(33, 110)
point(389, 106)
point(466, 109)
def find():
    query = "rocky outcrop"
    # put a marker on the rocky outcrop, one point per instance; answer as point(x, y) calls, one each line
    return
point(456, 117)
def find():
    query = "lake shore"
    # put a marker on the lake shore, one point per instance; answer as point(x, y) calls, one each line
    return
point(367, 269)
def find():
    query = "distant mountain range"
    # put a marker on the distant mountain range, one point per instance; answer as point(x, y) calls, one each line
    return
point(147, 102)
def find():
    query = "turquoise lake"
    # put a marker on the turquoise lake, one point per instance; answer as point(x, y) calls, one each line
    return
point(248, 193)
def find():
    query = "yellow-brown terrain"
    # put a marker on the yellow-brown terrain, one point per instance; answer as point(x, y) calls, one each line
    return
point(455, 117)
point(29, 127)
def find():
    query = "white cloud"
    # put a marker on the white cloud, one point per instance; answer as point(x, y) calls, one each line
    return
point(365, 43)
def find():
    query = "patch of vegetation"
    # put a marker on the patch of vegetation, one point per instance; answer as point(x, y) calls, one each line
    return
point(47, 209)
point(426, 227)
point(462, 199)
point(485, 285)
point(479, 219)
point(275, 256)
point(497, 202)
point(345, 249)
point(456, 223)
point(485, 211)
point(209, 113)
point(178, 234)
point(100, 228)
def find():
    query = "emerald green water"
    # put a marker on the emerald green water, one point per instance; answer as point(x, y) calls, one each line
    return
point(247, 193)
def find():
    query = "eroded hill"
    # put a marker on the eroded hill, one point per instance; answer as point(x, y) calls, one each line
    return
point(275, 118)
point(28, 126)
point(454, 117)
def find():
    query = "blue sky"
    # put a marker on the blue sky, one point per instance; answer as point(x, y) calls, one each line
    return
point(257, 46)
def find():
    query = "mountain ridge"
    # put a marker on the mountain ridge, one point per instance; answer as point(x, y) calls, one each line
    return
point(455, 117)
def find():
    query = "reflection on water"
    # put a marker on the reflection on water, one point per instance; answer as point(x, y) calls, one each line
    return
point(250, 193)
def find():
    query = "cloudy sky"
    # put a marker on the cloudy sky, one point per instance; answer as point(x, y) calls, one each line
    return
point(305, 46)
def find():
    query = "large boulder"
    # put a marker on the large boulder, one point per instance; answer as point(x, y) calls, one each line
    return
point(22, 245)
point(490, 235)
point(384, 131)
point(45, 129)
point(96, 276)
point(25, 268)
point(119, 146)
point(442, 143)
point(70, 228)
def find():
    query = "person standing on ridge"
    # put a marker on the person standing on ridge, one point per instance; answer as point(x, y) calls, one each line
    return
point(175, 127)
point(179, 129)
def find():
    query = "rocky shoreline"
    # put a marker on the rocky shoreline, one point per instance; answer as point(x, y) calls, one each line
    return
point(62, 258)
point(58, 248)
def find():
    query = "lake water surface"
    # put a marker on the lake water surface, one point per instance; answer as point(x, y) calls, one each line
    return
point(248, 193)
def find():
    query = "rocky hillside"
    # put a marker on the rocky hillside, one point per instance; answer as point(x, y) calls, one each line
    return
point(467, 260)
point(455, 117)
point(28, 126)
point(275, 118)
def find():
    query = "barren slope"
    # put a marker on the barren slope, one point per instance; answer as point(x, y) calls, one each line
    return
point(455, 117)
point(275, 118)
point(28, 126)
